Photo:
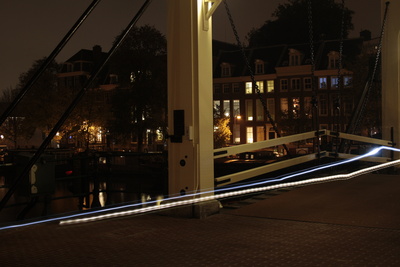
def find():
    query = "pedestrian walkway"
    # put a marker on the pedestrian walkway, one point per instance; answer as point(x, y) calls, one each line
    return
point(344, 223)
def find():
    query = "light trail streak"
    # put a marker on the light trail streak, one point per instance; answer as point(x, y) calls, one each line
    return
point(250, 190)
point(231, 194)
point(330, 165)
point(238, 190)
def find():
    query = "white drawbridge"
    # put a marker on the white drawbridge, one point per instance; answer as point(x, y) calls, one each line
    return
point(191, 152)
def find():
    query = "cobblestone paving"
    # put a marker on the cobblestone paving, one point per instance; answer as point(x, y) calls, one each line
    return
point(220, 240)
point(247, 236)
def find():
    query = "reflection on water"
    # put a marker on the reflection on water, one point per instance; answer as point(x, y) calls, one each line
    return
point(69, 197)
point(85, 181)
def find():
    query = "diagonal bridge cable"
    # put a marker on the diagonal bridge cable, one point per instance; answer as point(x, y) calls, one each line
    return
point(359, 112)
point(223, 193)
point(46, 63)
point(72, 106)
point(246, 61)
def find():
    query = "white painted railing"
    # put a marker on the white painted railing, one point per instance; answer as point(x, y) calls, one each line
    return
point(270, 167)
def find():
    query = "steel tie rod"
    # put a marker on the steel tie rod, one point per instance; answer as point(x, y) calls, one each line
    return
point(72, 106)
point(48, 60)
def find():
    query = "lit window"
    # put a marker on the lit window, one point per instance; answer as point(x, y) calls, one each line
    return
point(260, 133)
point(334, 82)
point(260, 86)
point(249, 109)
point(236, 108)
point(322, 83)
point(236, 121)
point(249, 135)
point(284, 105)
point(271, 107)
point(270, 86)
point(227, 108)
point(249, 88)
point(99, 137)
point(236, 133)
point(296, 107)
point(348, 81)
point(259, 111)
point(217, 107)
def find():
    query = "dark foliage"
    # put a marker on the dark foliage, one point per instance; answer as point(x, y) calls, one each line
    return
point(291, 23)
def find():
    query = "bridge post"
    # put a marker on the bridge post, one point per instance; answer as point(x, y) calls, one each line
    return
point(391, 72)
point(190, 97)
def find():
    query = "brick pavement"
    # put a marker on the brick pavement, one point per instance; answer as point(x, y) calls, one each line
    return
point(231, 238)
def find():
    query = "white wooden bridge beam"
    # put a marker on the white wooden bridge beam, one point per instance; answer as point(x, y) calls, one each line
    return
point(190, 109)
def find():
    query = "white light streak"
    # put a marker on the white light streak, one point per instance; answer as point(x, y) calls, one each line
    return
point(175, 201)
point(249, 190)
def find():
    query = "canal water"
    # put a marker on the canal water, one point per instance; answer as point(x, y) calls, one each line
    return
point(126, 180)
point(67, 198)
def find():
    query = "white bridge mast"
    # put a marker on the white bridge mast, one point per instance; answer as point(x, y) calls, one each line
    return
point(391, 72)
point(190, 96)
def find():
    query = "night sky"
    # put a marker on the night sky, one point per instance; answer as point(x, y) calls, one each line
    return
point(31, 29)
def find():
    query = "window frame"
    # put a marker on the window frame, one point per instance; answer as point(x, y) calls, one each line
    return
point(271, 107)
point(325, 82)
point(270, 84)
point(259, 111)
point(226, 70)
point(295, 84)
point(323, 105)
point(260, 85)
point(333, 79)
point(284, 85)
point(226, 108)
point(226, 88)
point(249, 110)
point(346, 78)
point(249, 135)
point(217, 88)
point(236, 87)
point(259, 67)
point(307, 83)
point(248, 88)
point(284, 102)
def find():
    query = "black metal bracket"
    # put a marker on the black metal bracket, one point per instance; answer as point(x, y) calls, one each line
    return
point(179, 126)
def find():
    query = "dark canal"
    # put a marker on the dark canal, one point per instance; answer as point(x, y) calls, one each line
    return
point(80, 182)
